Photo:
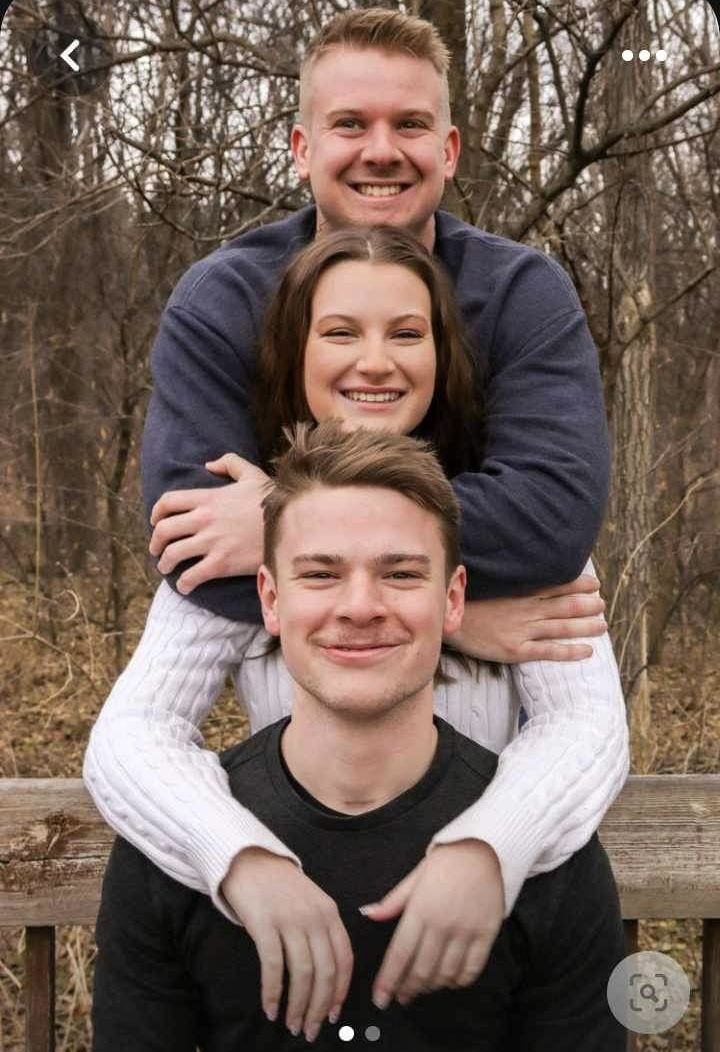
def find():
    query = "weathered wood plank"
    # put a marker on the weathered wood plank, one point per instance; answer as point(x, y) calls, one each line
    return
point(53, 850)
point(40, 989)
point(662, 836)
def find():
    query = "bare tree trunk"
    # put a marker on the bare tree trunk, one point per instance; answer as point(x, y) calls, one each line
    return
point(625, 547)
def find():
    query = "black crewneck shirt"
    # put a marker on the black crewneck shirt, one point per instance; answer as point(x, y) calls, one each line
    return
point(173, 974)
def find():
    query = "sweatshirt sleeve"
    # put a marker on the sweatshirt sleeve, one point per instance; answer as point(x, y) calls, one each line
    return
point(555, 781)
point(145, 765)
point(561, 1003)
point(532, 512)
point(203, 373)
point(143, 997)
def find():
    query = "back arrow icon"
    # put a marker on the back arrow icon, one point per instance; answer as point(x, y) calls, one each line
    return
point(65, 55)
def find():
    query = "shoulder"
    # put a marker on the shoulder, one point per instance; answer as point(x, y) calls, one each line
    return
point(473, 256)
point(578, 896)
point(479, 762)
point(241, 760)
point(249, 263)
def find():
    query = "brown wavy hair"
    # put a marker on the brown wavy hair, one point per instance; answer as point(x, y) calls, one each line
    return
point(454, 420)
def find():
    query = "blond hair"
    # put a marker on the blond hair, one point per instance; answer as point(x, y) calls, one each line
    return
point(385, 30)
point(326, 455)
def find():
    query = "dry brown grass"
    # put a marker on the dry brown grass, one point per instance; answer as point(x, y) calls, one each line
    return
point(57, 666)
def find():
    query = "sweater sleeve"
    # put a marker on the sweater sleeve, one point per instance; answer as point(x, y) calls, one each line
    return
point(555, 780)
point(531, 514)
point(145, 764)
point(203, 372)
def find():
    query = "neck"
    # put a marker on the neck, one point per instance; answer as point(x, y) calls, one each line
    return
point(426, 235)
point(355, 765)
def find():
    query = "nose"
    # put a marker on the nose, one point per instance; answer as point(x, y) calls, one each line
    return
point(360, 601)
point(374, 359)
point(380, 147)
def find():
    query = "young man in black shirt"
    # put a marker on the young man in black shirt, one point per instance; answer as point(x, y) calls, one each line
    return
point(360, 580)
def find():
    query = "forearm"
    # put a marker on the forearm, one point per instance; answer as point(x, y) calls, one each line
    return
point(557, 778)
point(146, 767)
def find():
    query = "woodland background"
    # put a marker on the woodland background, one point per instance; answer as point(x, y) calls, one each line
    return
point(106, 198)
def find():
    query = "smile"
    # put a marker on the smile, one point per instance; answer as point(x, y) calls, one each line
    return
point(368, 396)
point(379, 190)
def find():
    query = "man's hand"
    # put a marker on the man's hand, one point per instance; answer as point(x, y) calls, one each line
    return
point(223, 525)
point(452, 906)
point(528, 628)
point(292, 922)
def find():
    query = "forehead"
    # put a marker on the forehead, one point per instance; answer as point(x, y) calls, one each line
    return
point(371, 79)
point(394, 288)
point(357, 523)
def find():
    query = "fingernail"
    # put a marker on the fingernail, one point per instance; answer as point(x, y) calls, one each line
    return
point(366, 909)
point(312, 1031)
point(294, 1030)
point(271, 1013)
point(334, 1016)
point(381, 999)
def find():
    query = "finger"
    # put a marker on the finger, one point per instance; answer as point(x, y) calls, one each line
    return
point(172, 503)
point(568, 606)
point(475, 961)
point(323, 987)
point(270, 952)
point(398, 955)
point(172, 528)
point(552, 651)
point(570, 628)
point(451, 965)
point(342, 948)
point(178, 551)
point(392, 904)
point(229, 464)
point(422, 967)
point(300, 968)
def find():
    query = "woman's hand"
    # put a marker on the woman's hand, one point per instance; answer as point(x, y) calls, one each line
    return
point(293, 924)
point(452, 906)
point(221, 526)
point(530, 628)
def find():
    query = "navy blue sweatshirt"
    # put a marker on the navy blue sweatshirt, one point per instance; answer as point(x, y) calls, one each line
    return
point(172, 972)
point(531, 509)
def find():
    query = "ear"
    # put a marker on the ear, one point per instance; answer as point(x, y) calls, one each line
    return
point(454, 601)
point(299, 146)
point(268, 600)
point(451, 151)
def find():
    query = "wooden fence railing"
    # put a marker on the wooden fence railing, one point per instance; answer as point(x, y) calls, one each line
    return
point(662, 836)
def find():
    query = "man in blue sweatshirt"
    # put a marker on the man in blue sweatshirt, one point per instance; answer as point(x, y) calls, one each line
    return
point(376, 145)
point(361, 578)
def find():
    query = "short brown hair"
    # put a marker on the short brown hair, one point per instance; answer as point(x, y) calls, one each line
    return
point(454, 422)
point(386, 30)
point(326, 455)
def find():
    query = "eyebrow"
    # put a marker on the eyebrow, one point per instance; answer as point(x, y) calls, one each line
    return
point(348, 111)
point(394, 321)
point(386, 559)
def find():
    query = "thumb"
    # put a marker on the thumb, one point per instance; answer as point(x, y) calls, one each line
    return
point(229, 464)
point(392, 904)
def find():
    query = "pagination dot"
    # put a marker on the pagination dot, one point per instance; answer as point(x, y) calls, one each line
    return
point(372, 1033)
point(346, 1033)
point(627, 55)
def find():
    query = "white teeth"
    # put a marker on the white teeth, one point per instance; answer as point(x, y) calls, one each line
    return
point(365, 396)
point(372, 190)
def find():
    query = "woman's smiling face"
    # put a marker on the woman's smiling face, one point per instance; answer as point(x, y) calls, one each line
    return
point(370, 353)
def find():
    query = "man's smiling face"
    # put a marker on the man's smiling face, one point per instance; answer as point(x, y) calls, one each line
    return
point(360, 598)
point(378, 148)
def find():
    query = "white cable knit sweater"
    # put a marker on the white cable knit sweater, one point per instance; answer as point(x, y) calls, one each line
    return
point(155, 783)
